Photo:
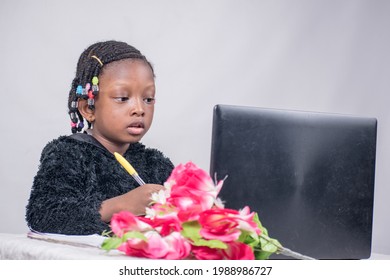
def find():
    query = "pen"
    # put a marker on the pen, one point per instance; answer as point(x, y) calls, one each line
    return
point(126, 165)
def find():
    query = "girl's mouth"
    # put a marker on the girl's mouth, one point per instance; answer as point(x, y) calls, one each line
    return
point(136, 128)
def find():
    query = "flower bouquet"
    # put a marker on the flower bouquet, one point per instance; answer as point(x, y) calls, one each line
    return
point(187, 220)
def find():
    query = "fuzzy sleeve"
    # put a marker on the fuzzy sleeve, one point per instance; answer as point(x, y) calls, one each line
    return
point(160, 167)
point(62, 198)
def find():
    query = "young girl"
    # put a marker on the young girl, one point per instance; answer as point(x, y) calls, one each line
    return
point(80, 184)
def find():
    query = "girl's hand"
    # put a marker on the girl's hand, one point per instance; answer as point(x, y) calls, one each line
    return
point(134, 201)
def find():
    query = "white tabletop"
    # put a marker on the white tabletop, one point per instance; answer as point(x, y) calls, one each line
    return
point(21, 247)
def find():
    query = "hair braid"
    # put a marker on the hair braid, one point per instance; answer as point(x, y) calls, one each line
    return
point(90, 64)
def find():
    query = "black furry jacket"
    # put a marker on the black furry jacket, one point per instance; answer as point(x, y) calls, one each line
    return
point(76, 174)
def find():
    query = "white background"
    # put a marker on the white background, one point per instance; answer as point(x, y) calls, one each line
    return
point(326, 56)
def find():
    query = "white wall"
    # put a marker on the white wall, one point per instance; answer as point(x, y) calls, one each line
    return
point(328, 56)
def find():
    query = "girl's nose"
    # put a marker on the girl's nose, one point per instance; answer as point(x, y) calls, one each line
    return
point(137, 107)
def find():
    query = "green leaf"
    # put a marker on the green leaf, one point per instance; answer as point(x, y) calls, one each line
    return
point(191, 230)
point(115, 241)
point(111, 243)
point(266, 246)
point(271, 245)
point(251, 241)
point(257, 221)
point(133, 234)
point(244, 236)
point(262, 255)
point(214, 243)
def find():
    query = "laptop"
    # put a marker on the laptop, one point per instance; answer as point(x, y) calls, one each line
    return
point(308, 175)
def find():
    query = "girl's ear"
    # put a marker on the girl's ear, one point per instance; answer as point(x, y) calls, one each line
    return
point(86, 112)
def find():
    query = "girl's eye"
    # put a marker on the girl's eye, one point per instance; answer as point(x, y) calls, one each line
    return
point(149, 100)
point(121, 99)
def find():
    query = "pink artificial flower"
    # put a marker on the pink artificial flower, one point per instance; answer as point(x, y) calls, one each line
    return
point(235, 251)
point(226, 224)
point(125, 221)
point(171, 247)
point(154, 247)
point(179, 247)
point(167, 223)
point(191, 190)
point(190, 195)
point(189, 203)
point(238, 251)
point(246, 222)
point(219, 224)
point(207, 253)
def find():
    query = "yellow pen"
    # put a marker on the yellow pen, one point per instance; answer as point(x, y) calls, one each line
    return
point(126, 165)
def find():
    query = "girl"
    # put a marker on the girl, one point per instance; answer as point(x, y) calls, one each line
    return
point(80, 184)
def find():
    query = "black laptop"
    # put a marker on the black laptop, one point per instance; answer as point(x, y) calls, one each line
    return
point(309, 176)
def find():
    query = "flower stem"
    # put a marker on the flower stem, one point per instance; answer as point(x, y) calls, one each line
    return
point(285, 251)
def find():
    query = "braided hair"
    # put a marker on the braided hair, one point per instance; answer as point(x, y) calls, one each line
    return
point(89, 67)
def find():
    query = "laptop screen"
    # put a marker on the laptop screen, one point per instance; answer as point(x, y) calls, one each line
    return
point(309, 176)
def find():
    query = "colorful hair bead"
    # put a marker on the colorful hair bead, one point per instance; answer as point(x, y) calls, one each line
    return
point(74, 127)
point(91, 104)
point(95, 81)
point(79, 91)
point(80, 126)
point(84, 94)
point(73, 117)
point(74, 105)
point(73, 110)
point(91, 100)
point(95, 87)
point(88, 93)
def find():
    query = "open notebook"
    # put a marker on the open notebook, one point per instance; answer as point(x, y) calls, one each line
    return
point(93, 240)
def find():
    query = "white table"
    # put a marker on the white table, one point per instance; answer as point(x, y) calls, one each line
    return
point(20, 247)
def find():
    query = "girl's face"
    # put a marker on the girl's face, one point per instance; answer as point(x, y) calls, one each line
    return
point(124, 106)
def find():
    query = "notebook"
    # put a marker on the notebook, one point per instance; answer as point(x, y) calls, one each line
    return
point(309, 176)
